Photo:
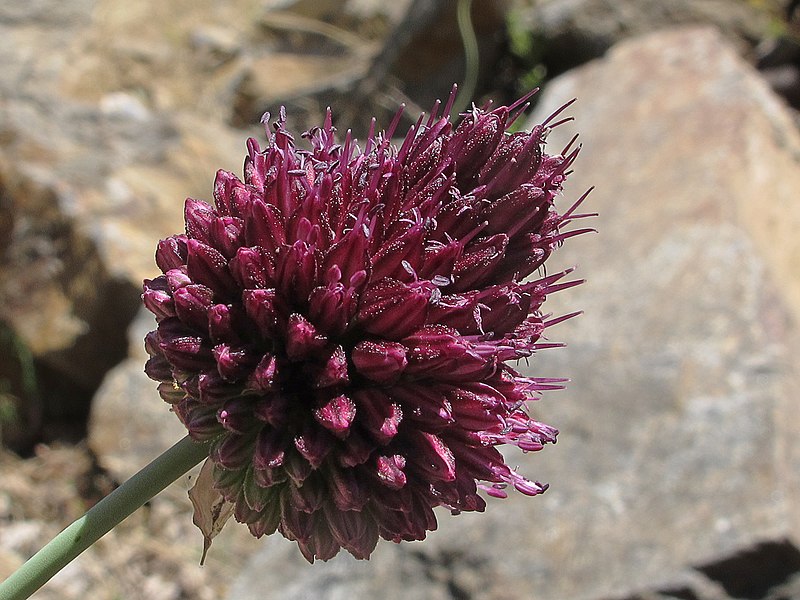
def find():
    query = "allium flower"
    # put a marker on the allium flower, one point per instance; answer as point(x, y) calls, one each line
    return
point(340, 325)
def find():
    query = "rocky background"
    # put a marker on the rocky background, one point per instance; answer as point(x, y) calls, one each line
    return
point(677, 474)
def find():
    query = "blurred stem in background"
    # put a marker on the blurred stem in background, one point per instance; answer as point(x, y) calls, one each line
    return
point(466, 93)
point(18, 386)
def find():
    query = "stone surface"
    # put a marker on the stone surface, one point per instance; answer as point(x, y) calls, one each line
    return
point(570, 32)
point(152, 554)
point(676, 471)
point(87, 186)
point(677, 464)
point(130, 424)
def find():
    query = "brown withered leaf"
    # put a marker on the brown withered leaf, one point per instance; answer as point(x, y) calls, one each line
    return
point(211, 510)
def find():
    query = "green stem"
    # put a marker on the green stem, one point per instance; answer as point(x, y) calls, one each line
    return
point(471, 57)
point(102, 518)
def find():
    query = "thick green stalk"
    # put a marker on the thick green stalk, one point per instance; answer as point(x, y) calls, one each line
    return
point(101, 518)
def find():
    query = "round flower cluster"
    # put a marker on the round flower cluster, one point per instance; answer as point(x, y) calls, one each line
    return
point(340, 323)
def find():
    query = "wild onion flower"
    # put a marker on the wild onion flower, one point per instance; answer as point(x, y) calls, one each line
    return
point(340, 324)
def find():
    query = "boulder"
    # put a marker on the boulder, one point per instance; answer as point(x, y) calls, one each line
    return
point(676, 474)
point(571, 32)
point(84, 205)
point(130, 424)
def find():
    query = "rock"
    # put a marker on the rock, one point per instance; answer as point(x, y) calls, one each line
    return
point(87, 187)
point(219, 44)
point(677, 470)
point(778, 57)
point(569, 33)
point(130, 424)
point(370, 10)
point(689, 463)
point(86, 203)
point(46, 12)
point(391, 573)
point(154, 553)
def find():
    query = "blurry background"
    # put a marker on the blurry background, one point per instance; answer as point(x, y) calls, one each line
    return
point(677, 473)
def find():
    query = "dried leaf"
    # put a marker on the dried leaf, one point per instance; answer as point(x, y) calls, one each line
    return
point(211, 510)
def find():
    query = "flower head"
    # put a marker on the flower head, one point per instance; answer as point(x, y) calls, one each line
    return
point(340, 325)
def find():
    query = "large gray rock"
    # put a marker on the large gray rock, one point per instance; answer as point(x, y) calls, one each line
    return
point(676, 475)
point(689, 460)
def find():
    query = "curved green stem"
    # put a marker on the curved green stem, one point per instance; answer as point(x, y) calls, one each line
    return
point(471, 57)
point(101, 518)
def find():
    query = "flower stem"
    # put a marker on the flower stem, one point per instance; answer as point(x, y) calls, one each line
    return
point(471, 56)
point(102, 518)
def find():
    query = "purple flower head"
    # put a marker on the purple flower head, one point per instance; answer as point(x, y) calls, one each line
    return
point(340, 324)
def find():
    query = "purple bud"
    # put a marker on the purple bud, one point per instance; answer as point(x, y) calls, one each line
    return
point(261, 307)
point(296, 271)
point(253, 268)
point(264, 227)
point(516, 210)
point(474, 140)
point(407, 249)
point(380, 416)
point(201, 421)
point(182, 347)
point(157, 299)
point(234, 363)
point(426, 406)
point(433, 457)
point(390, 471)
point(233, 451)
point(269, 449)
point(207, 266)
point(169, 392)
point(226, 186)
point(235, 415)
point(199, 216)
point(213, 390)
point(334, 372)
point(349, 255)
point(177, 278)
point(438, 351)
point(272, 409)
point(263, 377)
point(171, 253)
point(225, 234)
point(383, 362)
point(223, 322)
point(477, 261)
point(302, 338)
point(158, 368)
point(297, 467)
point(348, 490)
point(337, 415)
point(191, 305)
point(515, 162)
point(313, 444)
point(308, 498)
point(393, 309)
